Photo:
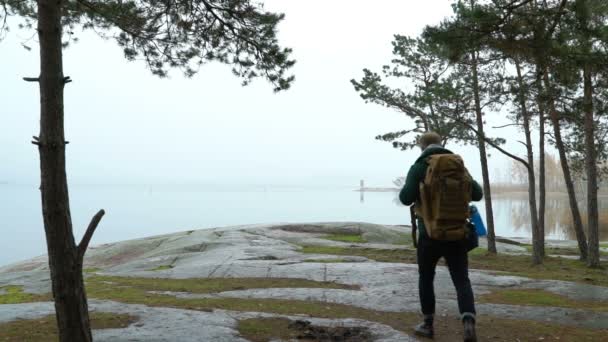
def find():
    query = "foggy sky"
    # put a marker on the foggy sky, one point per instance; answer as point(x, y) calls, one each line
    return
point(127, 126)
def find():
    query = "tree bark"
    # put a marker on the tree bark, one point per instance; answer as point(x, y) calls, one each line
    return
point(593, 258)
point(537, 247)
point(65, 262)
point(542, 190)
point(576, 215)
point(483, 158)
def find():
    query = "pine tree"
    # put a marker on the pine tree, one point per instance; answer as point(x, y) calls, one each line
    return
point(167, 34)
point(435, 98)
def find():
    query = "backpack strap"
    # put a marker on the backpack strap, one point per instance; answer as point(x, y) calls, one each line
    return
point(414, 225)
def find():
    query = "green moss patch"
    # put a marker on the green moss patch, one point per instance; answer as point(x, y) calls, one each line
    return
point(352, 238)
point(383, 255)
point(91, 270)
point(554, 268)
point(266, 329)
point(207, 285)
point(329, 261)
point(535, 297)
point(136, 291)
point(161, 268)
point(14, 294)
point(569, 251)
point(479, 251)
point(45, 329)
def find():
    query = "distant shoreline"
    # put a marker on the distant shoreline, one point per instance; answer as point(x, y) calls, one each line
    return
point(373, 189)
point(580, 196)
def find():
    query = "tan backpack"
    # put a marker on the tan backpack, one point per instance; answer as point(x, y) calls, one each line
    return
point(445, 194)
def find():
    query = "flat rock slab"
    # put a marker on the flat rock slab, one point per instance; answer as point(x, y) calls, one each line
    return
point(169, 325)
point(272, 251)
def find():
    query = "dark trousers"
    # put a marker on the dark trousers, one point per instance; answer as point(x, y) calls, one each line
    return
point(455, 255)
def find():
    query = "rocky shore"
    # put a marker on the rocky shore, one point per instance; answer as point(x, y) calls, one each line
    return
point(321, 281)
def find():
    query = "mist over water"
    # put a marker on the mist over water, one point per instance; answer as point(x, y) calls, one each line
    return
point(135, 211)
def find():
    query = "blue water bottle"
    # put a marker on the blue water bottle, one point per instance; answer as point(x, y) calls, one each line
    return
point(480, 228)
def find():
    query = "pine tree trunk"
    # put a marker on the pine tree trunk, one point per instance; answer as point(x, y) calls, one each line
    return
point(483, 158)
point(576, 215)
point(593, 259)
point(64, 259)
point(536, 243)
point(542, 190)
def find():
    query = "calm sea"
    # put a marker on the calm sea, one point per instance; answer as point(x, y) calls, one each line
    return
point(140, 211)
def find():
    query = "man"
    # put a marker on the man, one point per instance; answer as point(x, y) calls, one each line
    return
point(431, 250)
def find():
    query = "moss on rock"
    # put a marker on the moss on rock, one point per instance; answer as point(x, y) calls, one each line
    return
point(14, 294)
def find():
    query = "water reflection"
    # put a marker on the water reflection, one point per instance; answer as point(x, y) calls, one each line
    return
point(512, 216)
point(558, 219)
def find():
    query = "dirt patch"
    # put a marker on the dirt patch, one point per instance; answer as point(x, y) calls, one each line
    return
point(333, 261)
point(265, 329)
point(263, 258)
point(306, 331)
point(447, 329)
point(161, 268)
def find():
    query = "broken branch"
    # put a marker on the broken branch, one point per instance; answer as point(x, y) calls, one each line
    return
point(84, 243)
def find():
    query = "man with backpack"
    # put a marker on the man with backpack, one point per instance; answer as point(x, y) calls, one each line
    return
point(441, 188)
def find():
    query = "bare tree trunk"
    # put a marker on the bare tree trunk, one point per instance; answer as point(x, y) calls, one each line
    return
point(65, 257)
point(593, 259)
point(542, 191)
point(483, 158)
point(536, 242)
point(576, 215)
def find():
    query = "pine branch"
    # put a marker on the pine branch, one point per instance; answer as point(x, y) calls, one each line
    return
point(491, 143)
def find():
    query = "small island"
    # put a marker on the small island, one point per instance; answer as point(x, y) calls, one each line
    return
point(363, 188)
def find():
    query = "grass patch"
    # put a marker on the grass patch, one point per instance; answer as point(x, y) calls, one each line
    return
point(554, 268)
point(569, 251)
point(161, 268)
point(352, 238)
point(383, 255)
point(45, 329)
point(91, 270)
point(479, 251)
point(136, 291)
point(266, 329)
point(14, 294)
point(329, 261)
point(447, 329)
point(536, 297)
point(208, 285)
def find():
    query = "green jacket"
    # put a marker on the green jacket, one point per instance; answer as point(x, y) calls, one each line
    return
point(411, 190)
